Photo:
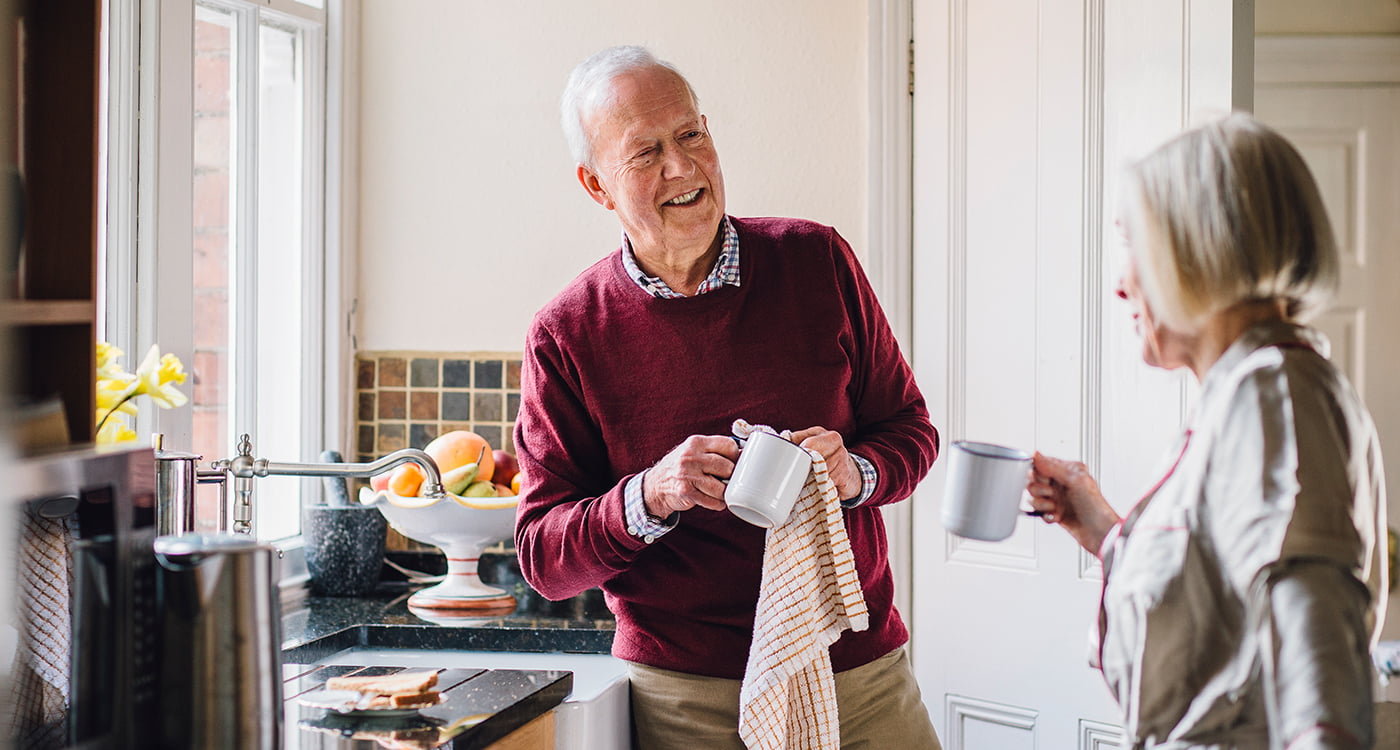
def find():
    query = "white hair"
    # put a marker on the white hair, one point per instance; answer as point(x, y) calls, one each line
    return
point(1224, 213)
point(588, 87)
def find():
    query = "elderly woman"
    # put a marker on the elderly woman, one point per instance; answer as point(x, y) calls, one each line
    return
point(1243, 591)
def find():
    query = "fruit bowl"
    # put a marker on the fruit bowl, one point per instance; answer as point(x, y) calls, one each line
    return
point(461, 527)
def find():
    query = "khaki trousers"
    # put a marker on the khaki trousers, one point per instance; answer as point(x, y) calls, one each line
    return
point(879, 706)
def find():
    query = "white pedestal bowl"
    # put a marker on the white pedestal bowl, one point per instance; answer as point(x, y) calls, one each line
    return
point(461, 527)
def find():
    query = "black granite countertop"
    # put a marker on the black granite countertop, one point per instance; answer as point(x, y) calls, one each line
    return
point(477, 708)
point(480, 706)
point(316, 627)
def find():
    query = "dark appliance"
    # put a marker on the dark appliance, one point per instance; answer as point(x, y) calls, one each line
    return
point(107, 496)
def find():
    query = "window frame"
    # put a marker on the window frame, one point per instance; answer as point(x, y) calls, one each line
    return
point(148, 113)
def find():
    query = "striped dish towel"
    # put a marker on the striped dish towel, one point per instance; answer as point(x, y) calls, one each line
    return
point(809, 594)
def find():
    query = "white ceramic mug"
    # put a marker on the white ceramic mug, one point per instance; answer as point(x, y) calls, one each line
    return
point(983, 496)
point(767, 479)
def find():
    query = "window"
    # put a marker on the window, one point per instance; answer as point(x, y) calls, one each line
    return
point(241, 298)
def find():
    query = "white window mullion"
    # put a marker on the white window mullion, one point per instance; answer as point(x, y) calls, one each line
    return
point(164, 265)
point(117, 280)
point(313, 394)
point(243, 234)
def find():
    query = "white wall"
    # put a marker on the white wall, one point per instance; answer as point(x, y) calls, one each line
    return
point(471, 217)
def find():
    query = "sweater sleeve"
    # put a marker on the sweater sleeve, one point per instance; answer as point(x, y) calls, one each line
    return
point(570, 527)
point(893, 430)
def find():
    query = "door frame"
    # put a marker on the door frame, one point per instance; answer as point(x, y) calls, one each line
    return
point(889, 245)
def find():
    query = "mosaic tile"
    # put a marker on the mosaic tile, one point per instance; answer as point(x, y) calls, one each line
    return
point(393, 405)
point(457, 373)
point(424, 372)
point(488, 374)
point(489, 433)
point(419, 435)
point(423, 405)
point(456, 406)
point(392, 372)
point(364, 373)
point(487, 407)
point(406, 401)
point(392, 437)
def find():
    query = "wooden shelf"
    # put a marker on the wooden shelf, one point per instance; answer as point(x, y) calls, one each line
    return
point(47, 312)
point(54, 109)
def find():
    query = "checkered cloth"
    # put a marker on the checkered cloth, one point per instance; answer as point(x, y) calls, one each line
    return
point(39, 685)
point(810, 593)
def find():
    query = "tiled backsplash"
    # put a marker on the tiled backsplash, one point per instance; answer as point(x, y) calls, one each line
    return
point(405, 399)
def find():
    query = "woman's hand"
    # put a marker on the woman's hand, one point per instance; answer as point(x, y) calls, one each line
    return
point(1064, 492)
point(691, 474)
point(842, 470)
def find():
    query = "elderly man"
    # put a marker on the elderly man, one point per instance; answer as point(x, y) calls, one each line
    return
point(632, 377)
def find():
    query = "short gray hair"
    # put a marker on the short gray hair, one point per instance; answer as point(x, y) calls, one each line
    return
point(1224, 213)
point(588, 85)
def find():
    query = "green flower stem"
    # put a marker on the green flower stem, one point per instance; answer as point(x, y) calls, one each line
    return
point(113, 410)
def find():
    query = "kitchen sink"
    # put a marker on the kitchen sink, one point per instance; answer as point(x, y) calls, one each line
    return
point(597, 714)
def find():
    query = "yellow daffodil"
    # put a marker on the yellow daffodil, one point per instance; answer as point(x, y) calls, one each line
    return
point(156, 377)
point(115, 431)
point(107, 356)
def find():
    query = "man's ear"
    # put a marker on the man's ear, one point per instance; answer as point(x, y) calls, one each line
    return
point(589, 179)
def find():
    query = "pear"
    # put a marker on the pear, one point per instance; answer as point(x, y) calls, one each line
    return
point(480, 489)
point(457, 480)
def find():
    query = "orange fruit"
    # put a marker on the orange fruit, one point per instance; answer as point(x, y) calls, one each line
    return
point(515, 482)
point(406, 480)
point(459, 448)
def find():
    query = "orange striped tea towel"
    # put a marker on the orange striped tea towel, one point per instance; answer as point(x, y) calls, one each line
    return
point(809, 594)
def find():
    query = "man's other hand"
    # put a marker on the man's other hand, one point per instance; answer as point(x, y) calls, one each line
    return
point(840, 467)
point(692, 474)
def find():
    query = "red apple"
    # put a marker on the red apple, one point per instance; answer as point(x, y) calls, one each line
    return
point(506, 467)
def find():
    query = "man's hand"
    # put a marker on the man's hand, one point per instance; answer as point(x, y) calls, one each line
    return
point(841, 468)
point(691, 474)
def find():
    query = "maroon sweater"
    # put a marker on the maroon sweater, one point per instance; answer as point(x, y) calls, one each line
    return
point(614, 378)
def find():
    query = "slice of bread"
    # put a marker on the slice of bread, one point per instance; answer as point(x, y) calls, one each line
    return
point(405, 700)
point(400, 683)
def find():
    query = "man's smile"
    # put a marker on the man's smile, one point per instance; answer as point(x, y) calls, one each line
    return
point(685, 199)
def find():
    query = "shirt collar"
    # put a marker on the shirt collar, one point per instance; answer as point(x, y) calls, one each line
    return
point(1268, 333)
point(1279, 333)
point(724, 272)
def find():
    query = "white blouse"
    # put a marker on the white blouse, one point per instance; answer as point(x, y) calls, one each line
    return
point(1243, 593)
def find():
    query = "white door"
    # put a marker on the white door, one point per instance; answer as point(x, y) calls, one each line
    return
point(1023, 114)
point(1341, 106)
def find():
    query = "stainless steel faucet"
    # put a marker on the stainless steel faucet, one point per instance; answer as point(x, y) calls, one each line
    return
point(244, 468)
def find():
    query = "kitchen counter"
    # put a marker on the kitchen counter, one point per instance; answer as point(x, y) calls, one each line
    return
point(316, 627)
point(481, 706)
